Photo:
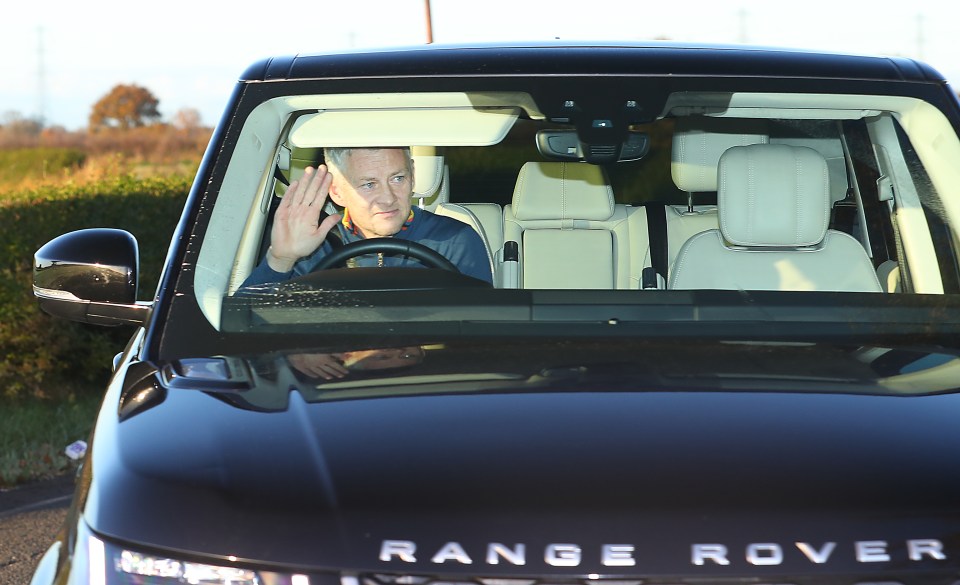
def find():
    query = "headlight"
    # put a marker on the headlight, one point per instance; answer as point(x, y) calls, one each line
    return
point(113, 565)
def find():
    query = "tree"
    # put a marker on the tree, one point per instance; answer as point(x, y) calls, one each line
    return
point(126, 106)
point(186, 119)
point(17, 131)
point(15, 123)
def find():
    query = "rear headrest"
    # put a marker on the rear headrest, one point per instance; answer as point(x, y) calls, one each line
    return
point(559, 190)
point(428, 170)
point(773, 195)
point(699, 142)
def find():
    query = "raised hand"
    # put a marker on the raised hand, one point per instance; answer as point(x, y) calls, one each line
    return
point(295, 232)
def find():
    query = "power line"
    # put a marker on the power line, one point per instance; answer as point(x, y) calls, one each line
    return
point(920, 36)
point(41, 79)
point(743, 37)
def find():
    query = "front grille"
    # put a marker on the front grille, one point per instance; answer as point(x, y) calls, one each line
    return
point(931, 578)
point(392, 579)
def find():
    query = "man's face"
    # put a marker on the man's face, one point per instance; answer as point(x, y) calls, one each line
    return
point(375, 187)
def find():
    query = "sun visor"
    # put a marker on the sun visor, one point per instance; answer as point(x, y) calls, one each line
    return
point(450, 126)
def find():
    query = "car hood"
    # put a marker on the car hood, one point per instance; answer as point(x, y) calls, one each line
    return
point(787, 457)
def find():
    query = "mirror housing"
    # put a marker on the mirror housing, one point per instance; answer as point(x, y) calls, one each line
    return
point(90, 276)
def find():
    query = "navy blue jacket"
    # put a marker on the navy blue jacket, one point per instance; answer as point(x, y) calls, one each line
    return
point(453, 239)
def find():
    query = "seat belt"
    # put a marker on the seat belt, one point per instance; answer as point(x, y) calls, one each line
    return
point(655, 276)
point(278, 175)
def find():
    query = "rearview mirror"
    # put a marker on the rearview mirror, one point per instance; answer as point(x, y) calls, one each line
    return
point(566, 145)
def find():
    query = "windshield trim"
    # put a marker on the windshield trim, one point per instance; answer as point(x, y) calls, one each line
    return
point(715, 313)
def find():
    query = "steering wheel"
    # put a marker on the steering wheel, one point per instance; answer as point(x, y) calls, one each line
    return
point(392, 246)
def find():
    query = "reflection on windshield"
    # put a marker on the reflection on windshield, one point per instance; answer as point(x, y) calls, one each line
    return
point(331, 366)
point(264, 382)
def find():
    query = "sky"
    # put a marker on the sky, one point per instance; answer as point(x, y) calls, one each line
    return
point(62, 56)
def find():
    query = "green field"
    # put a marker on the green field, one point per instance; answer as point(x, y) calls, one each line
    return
point(35, 433)
point(24, 165)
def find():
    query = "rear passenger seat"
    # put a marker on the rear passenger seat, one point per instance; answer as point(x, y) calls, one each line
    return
point(569, 233)
point(565, 226)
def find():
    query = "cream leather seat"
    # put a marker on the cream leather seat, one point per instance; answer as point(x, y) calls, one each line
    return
point(698, 142)
point(569, 232)
point(774, 208)
point(431, 190)
point(431, 177)
point(487, 220)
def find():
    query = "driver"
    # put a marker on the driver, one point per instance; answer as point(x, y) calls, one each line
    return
point(374, 186)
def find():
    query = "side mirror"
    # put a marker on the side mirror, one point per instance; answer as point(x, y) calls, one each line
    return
point(90, 276)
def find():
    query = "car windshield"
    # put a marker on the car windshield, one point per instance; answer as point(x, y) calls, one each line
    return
point(604, 206)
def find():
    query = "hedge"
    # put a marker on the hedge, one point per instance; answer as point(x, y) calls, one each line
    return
point(49, 358)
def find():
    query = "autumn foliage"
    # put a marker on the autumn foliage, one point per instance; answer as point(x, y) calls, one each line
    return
point(126, 106)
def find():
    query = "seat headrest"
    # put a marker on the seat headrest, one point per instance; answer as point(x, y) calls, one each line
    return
point(559, 190)
point(699, 142)
point(428, 169)
point(773, 195)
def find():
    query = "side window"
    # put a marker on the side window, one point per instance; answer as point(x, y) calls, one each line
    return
point(867, 186)
point(941, 232)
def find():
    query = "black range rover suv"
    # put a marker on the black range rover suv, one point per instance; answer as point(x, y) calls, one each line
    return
point(720, 346)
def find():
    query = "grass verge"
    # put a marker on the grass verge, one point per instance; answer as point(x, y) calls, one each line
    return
point(34, 434)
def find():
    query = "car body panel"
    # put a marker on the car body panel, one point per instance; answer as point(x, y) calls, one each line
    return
point(591, 457)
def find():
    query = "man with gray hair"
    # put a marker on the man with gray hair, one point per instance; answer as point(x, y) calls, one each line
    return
point(374, 186)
